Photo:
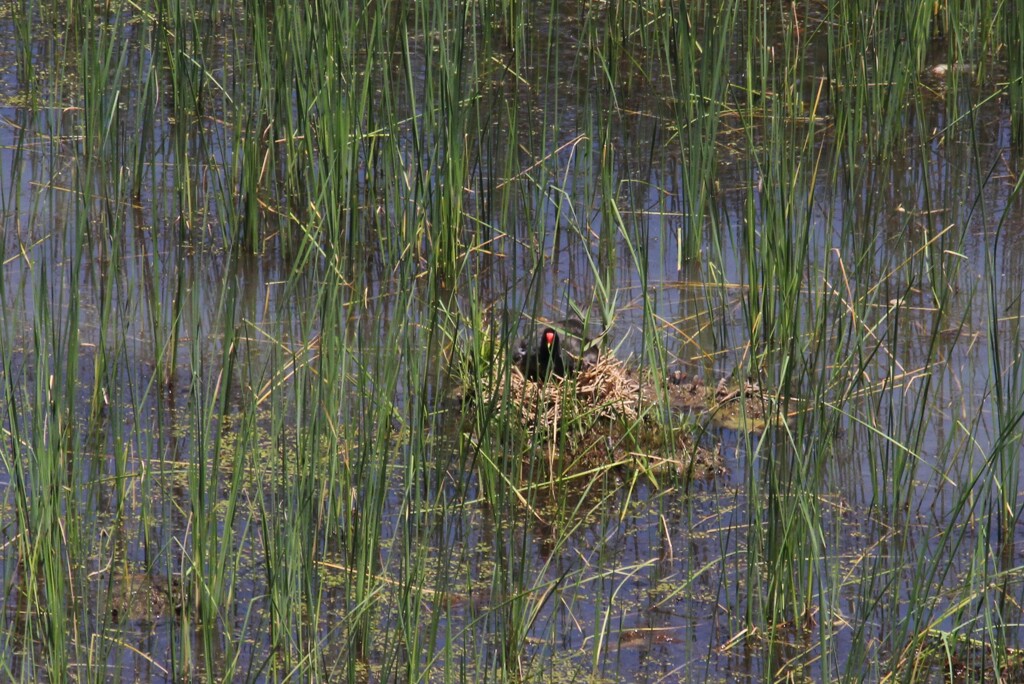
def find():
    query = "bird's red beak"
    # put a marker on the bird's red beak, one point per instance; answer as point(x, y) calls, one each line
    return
point(549, 337)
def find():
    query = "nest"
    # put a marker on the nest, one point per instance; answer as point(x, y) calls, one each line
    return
point(606, 390)
point(602, 411)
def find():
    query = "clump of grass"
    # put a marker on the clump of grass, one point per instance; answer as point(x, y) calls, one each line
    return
point(958, 658)
point(602, 415)
point(605, 391)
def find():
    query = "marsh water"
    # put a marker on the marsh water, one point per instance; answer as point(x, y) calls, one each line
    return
point(232, 448)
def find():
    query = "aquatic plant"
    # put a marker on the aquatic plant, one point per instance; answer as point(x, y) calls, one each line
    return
point(240, 240)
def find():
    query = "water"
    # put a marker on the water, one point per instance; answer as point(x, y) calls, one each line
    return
point(626, 579)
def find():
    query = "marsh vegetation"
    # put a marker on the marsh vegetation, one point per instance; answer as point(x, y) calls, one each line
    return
point(243, 242)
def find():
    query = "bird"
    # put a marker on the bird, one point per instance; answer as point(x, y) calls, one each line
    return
point(549, 354)
point(542, 357)
point(581, 350)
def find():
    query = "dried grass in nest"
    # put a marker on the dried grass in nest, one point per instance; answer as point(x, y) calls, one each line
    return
point(598, 402)
point(606, 390)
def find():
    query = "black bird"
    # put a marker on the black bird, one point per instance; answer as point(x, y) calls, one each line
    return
point(546, 355)
point(579, 351)
point(541, 358)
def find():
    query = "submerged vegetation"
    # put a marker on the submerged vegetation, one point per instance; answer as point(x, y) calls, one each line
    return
point(241, 239)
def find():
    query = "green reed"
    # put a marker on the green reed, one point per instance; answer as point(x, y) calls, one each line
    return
point(1015, 58)
point(304, 481)
point(1007, 384)
point(785, 521)
point(697, 60)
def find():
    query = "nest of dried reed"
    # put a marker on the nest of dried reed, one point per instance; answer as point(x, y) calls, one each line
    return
point(605, 391)
point(598, 410)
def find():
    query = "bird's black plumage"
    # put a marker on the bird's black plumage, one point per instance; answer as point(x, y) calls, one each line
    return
point(551, 354)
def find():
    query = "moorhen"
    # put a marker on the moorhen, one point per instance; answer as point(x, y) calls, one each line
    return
point(541, 358)
point(580, 349)
point(546, 356)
